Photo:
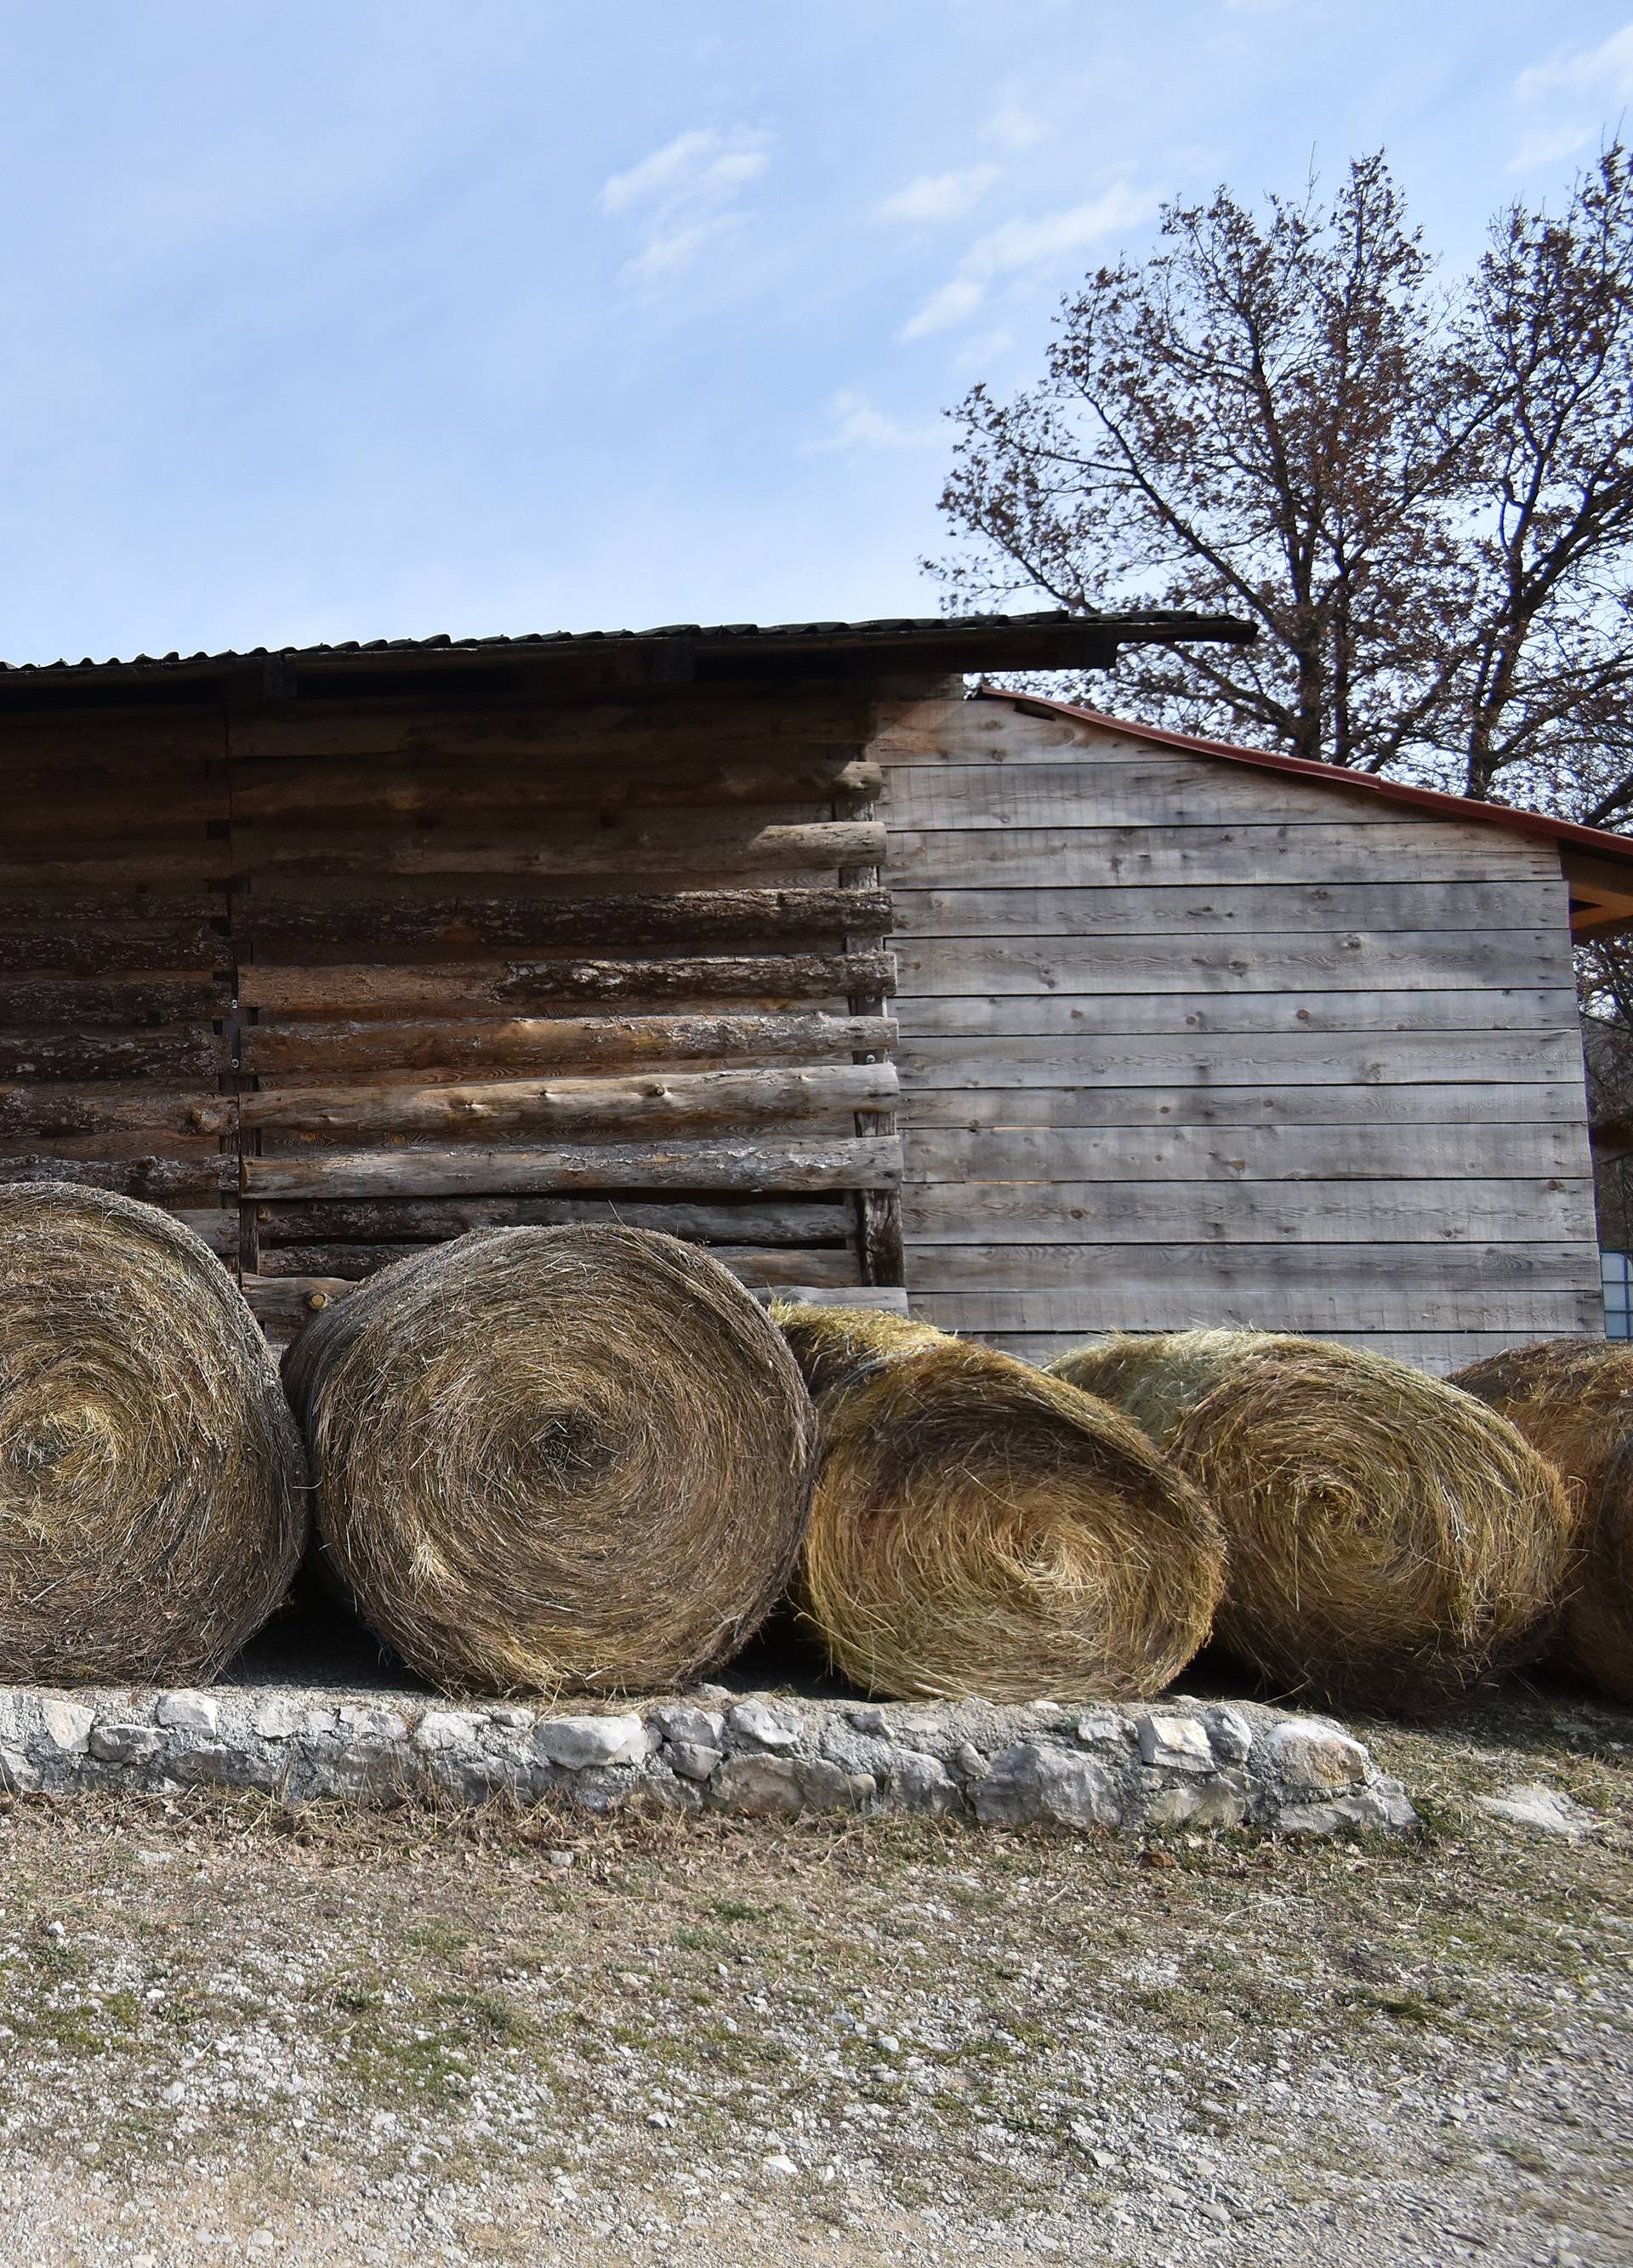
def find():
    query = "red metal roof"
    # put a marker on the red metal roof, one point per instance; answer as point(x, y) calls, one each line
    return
point(1600, 839)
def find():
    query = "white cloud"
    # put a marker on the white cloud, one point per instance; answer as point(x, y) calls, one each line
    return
point(1584, 71)
point(1544, 148)
point(1018, 245)
point(858, 425)
point(684, 194)
point(1570, 94)
point(945, 307)
point(1012, 127)
point(1030, 243)
point(939, 197)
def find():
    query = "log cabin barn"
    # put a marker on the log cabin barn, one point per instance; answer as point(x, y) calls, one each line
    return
point(1043, 1022)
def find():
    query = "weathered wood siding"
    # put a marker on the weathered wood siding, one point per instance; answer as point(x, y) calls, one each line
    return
point(337, 982)
point(1183, 1043)
point(115, 961)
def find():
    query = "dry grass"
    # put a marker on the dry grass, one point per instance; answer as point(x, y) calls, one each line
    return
point(1572, 1399)
point(981, 1528)
point(555, 1458)
point(152, 1490)
point(1391, 1540)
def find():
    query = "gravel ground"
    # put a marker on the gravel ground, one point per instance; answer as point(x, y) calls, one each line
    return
point(230, 2031)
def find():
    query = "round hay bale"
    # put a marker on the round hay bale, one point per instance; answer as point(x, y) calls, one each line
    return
point(834, 1345)
point(1572, 1399)
point(1391, 1540)
point(152, 1488)
point(552, 1458)
point(981, 1528)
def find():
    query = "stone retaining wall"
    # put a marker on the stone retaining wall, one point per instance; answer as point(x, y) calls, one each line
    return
point(1173, 1763)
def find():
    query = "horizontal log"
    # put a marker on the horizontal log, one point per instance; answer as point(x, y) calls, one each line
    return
point(356, 1262)
point(350, 1264)
point(1294, 1213)
point(174, 1056)
point(88, 947)
point(541, 1107)
point(117, 739)
point(141, 1141)
point(74, 1110)
point(680, 844)
point(749, 1166)
point(56, 803)
point(217, 1226)
point(1016, 1159)
point(139, 909)
point(472, 921)
point(284, 1305)
point(490, 987)
point(409, 1220)
point(159, 1181)
point(111, 865)
point(73, 1001)
point(521, 1044)
point(696, 723)
point(323, 790)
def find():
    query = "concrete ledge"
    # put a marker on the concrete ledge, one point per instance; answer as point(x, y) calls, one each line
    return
point(1142, 1769)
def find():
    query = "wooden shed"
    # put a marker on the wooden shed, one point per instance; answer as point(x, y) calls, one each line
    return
point(343, 951)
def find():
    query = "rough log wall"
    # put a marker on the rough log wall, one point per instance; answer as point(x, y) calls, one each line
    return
point(589, 961)
point(337, 982)
point(116, 962)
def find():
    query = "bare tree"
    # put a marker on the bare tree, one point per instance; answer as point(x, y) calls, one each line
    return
point(1422, 496)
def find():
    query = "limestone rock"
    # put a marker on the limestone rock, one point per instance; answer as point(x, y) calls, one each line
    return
point(579, 1743)
point(766, 1788)
point(1530, 1804)
point(1030, 1783)
point(756, 1726)
point(126, 1745)
point(1173, 1744)
point(1317, 1756)
point(922, 1783)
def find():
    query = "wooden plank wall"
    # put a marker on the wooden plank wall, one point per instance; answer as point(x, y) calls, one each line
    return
point(560, 964)
point(115, 961)
point(1186, 1043)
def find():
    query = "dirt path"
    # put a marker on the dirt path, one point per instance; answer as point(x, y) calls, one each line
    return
point(228, 2032)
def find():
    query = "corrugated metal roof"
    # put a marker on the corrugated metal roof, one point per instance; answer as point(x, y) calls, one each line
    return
point(1146, 625)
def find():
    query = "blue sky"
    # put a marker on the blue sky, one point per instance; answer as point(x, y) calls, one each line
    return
point(381, 319)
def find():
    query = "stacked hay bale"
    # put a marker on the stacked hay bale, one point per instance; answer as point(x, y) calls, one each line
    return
point(1391, 1540)
point(152, 1490)
point(981, 1528)
point(1572, 1399)
point(551, 1458)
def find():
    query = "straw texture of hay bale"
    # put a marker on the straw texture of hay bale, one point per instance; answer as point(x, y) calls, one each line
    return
point(1390, 1538)
point(552, 1458)
point(152, 1488)
point(981, 1528)
point(1572, 1399)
